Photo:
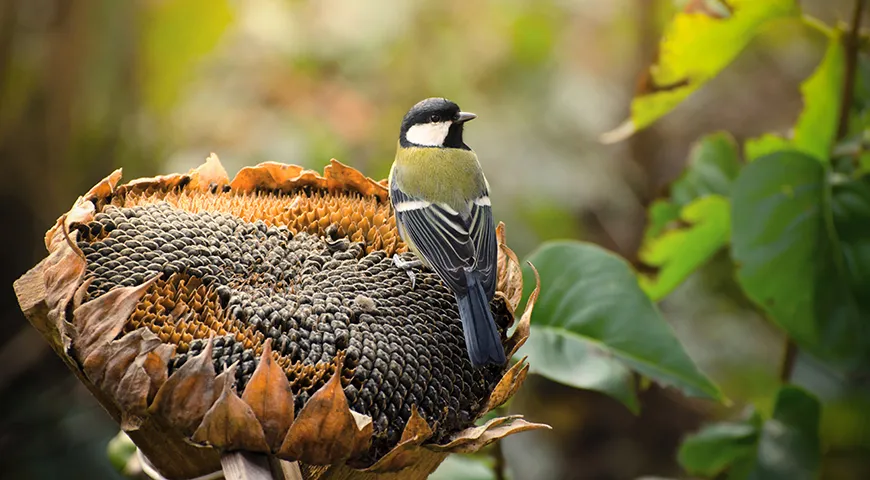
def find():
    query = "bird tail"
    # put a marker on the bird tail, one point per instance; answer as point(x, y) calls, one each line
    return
point(481, 335)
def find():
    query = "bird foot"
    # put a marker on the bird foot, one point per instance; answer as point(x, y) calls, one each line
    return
point(407, 265)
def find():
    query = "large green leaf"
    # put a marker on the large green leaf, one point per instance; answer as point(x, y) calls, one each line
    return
point(788, 448)
point(784, 447)
point(679, 252)
point(592, 323)
point(799, 236)
point(717, 446)
point(697, 44)
point(816, 128)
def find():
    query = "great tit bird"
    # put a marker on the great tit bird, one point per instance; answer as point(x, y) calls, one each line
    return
point(441, 202)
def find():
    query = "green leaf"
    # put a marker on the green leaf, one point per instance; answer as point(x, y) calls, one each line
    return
point(713, 165)
point(176, 35)
point(697, 44)
point(766, 144)
point(463, 467)
point(580, 363)
point(679, 252)
point(816, 129)
point(592, 322)
point(788, 448)
point(717, 446)
point(662, 213)
point(799, 238)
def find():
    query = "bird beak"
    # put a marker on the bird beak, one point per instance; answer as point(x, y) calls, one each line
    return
point(465, 116)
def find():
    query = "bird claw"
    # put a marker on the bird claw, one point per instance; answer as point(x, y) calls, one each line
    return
point(407, 265)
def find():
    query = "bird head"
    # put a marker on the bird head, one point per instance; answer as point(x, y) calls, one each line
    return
point(434, 122)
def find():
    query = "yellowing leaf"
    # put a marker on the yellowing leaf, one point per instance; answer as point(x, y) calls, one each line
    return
point(816, 129)
point(697, 44)
point(764, 145)
point(679, 252)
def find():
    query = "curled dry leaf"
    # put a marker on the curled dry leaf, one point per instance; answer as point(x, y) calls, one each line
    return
point(473, 439)
point(270, 397)
point(508, 385)
point(188, 393)
point(521, 334)
point(117, 368)
point(266, 175)
point(341, 177)
point(209, 174)
point(63, 272)
point(156, 365)
point(326, 431)
point(510, 274)
point(407, 451)
point(230, 424)
point(100, 320)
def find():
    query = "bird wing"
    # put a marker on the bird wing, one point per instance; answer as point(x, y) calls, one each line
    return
point(451, 241)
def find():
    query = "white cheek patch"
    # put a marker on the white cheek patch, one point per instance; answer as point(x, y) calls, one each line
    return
point(428, 134)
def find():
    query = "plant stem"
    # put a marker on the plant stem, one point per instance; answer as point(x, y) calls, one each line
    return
point(788, 360)
point(851, 43)
point(499, 468)
point(817, 25)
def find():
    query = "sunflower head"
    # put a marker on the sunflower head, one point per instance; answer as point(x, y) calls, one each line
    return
point(265, 314)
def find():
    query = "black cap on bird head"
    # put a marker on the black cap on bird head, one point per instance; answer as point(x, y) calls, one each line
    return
point(434, 122)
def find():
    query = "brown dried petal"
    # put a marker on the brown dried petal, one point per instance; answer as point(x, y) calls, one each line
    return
point(473, 439)
point(521, 334)
point(326, 431)
point(510, 274)
point(187, 393)
point(166, 182)
point(230, 424)
point(407, 451)
point(156, 365)
point(508, 385)
point(267, 175)
point(116, 367)
point(63, 273)
point(228, 375)
point(339, 177)
point(269, 395)
point(99, 321)
point(209, 173)
point(81, 293)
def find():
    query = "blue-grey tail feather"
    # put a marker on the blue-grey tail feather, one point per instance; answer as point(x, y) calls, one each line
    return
point(481, 335)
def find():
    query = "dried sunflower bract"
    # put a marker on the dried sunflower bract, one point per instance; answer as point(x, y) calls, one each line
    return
point(265, 314)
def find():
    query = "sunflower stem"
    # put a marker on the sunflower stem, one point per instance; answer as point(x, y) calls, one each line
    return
point(499, 467)
point(246, 466)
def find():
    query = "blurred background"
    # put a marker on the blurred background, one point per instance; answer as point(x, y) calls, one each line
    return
point(153, 86)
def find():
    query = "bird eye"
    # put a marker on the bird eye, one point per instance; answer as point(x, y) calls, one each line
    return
point(435, 118)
